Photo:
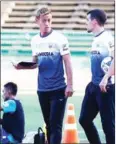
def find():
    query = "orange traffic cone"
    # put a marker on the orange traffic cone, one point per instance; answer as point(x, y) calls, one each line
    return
point(70, 129)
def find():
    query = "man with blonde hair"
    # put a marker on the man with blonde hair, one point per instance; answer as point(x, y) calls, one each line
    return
point(50, 49)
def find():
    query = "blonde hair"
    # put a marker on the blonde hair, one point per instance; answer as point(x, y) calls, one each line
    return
point(43, 11)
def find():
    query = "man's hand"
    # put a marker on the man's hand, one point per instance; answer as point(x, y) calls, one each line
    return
point(111, 72)
point(103, 83)
point(16, 66)
point(69, 91)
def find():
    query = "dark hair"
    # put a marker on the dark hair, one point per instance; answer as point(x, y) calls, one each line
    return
point(99, 15)
point(12, 87)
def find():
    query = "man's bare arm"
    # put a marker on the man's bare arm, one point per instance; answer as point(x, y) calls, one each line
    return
point(69, 73)
point(111, 72)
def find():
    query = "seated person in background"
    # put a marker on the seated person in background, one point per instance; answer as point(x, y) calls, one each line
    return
point(12, 124)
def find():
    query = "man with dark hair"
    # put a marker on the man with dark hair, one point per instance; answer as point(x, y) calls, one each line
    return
point(100, 92)
point(12, 87)
point(99, 15)
point(13, 123)
point(50, 49)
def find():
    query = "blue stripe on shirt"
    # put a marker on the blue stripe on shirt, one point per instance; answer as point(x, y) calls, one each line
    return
point(9, 106)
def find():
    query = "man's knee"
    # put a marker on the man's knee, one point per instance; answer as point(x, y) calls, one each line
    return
point(82, 121)
point(85, 122)
point(55, 127)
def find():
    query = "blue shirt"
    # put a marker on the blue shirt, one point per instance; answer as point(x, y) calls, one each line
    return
point(9, 106)
point(13, 119)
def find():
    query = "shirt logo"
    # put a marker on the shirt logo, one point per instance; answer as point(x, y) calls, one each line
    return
point(65, 47)
point(46, 54)
point(50, 45)
point(111, 45)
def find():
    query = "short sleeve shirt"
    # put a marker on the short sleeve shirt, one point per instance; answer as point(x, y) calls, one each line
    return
point(49, 50)
point(102, 47)
point(9, 106)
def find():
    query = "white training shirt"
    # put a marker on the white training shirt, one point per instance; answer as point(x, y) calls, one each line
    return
point(50, 50)
point(102, 46)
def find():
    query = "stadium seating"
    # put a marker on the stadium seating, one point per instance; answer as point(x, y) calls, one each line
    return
point(20, 40)
point(69, 17)
point(66, 14)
